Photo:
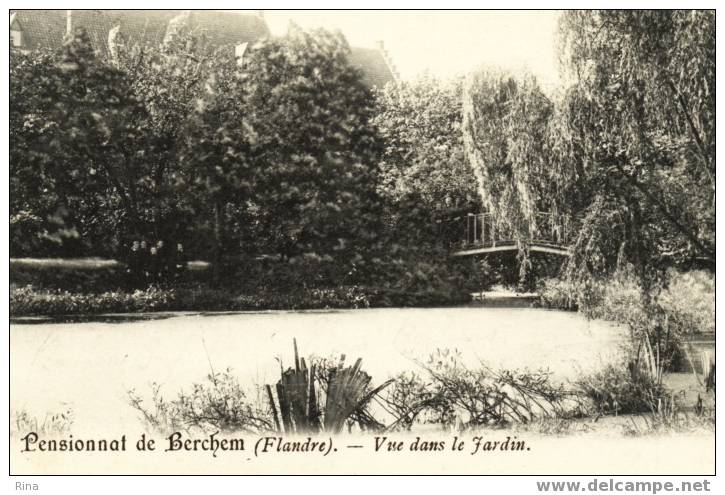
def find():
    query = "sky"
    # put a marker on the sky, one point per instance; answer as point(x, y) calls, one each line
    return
point(443, 43)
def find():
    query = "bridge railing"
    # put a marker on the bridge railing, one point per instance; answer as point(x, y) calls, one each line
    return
point(482, 230)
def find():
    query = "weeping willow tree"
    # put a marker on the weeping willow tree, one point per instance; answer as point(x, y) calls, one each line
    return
point(627, 148)
point(505, 121)
point(634, 136)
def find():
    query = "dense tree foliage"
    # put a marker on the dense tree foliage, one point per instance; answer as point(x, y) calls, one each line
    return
point(504, 127)
point(77, 133)
point(426, 183)
point(420, 122)
point(315, 150)
point(193, 154)
point(161, 146)
point(163, 153)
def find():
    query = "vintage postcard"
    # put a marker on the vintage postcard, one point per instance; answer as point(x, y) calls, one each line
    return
point(362, 243)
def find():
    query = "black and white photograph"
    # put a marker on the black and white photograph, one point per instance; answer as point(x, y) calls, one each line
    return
point(362, 242)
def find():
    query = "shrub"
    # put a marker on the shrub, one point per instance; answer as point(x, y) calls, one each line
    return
point(408, 398)
point(617, 389)
point(29, 301)
point(395, 297)
point(685, 304)
point(220, 404)
point(689, 301)
point(618, 299)
point(455, 395)
point(556, 294)
point(91, 285)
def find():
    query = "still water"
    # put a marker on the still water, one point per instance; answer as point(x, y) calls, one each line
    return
point(90, 367)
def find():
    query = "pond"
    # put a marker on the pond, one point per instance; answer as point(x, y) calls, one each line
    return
point(89, 367)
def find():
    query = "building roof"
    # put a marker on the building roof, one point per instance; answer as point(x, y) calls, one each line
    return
point(46, 29)
point(375, 68)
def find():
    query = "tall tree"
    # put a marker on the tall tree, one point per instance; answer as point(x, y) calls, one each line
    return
point(77, 129)
point(636, 130)
point(505, 120)
point(313, 147)
point(186, 84)
point(626, 150)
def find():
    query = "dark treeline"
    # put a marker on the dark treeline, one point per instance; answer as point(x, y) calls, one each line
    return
point(270, 169)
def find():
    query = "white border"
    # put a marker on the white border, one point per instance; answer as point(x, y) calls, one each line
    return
point(473, 485)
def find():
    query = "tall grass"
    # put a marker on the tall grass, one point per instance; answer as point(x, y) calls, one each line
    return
point(50, 424)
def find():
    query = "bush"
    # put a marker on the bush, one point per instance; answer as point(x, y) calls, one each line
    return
point(636, 387)
point(620, 389)
point(455, 395)
point(689, 301)
point(27, 301)
point(220, 404)
point(75, 286)
point(408, 398)
point(417, 282)
point(685, 305)
point(617, 298)
point(393, 297)
point(556, 294)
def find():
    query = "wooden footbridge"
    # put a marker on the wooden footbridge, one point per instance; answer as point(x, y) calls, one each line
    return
point(552, 234)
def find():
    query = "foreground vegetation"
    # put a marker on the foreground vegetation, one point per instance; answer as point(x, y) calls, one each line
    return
point(444, 392)
point(660, 325)
point(441, 392)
